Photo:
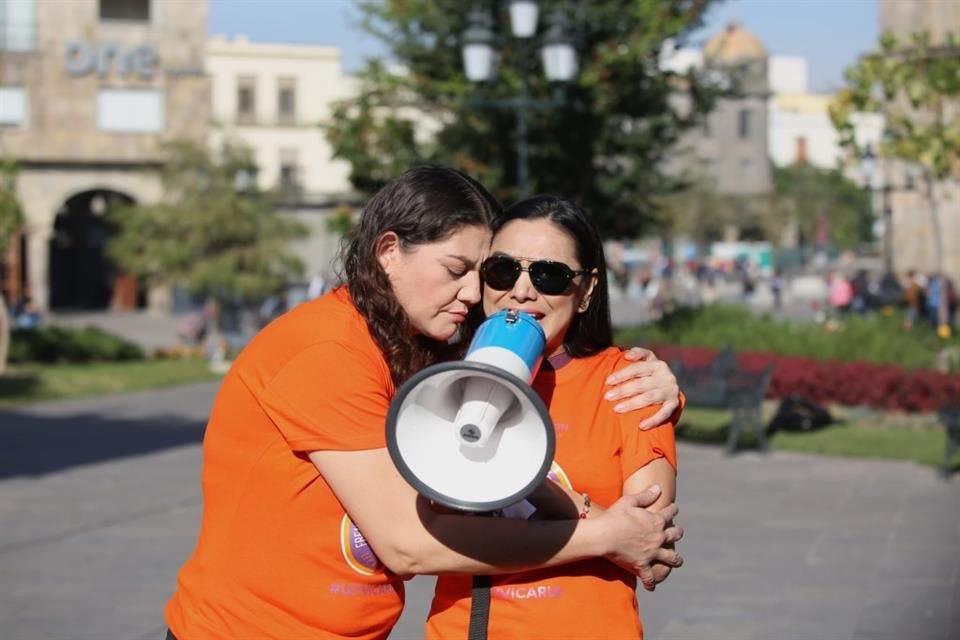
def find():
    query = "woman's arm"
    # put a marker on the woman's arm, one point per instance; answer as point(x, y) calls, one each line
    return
point(658, 472)
point(411, 538)
point(644, 382)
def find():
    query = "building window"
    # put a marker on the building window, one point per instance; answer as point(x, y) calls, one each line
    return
point(801, 150)
point(13, 107)
point(130, 110)
point(289, 175)
point(138, 10)
point(746, 168)
point(246, 99)
point(18, 25)
point(286, 100)
point(744, 123)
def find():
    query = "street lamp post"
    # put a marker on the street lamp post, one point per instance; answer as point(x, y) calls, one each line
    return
point(557, 54)
point(868, 166)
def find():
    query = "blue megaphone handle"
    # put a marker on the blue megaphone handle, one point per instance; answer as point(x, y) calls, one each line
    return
point(515, 331)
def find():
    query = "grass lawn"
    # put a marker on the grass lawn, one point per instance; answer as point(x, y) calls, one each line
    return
point(32, 383)
point(920, 439)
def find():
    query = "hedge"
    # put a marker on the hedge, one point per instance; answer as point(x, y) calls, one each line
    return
point(881, 386)
point(59, 344)
point(857, 338)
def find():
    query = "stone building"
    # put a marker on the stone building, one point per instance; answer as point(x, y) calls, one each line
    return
point(925, 232)
point(733, 144)
point(89, 89)
point(728, 156)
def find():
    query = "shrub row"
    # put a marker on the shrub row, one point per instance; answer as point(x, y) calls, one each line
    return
point(59, 344)
point(881, 386)
point(858, 338)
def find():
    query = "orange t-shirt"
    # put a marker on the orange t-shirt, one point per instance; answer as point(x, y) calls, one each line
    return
point(597, 450)
point(277, 556)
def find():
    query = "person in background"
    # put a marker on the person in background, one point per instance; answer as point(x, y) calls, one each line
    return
point(841, 294)
point(776, 288)
point(317, 286)
point(26, 313)
point(913, 297)
point(307, 528)
point(546, 259)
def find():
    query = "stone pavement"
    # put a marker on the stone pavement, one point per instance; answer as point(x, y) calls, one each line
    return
point(99, 505)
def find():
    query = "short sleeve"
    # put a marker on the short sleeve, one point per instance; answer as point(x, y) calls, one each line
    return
point(639, 447)
point(330, 397)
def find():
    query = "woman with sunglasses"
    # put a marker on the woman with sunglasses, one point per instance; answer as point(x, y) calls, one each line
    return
point(546, 259)
point(296, 442)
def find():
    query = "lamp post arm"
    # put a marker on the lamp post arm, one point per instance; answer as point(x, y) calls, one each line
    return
point(887, 230)
point(522, 148)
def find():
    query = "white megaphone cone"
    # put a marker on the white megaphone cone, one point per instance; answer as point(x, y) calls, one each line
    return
point(472, 434)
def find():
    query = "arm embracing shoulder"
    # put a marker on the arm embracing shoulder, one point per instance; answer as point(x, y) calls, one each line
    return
point(410, 537)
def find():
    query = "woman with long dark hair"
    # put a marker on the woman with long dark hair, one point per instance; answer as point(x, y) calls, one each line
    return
point(546, 259)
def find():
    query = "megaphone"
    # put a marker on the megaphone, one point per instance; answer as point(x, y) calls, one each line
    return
point(472, 434)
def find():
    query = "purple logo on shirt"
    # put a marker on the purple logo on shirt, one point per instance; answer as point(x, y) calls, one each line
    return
point(558, 475)
point(356, 551)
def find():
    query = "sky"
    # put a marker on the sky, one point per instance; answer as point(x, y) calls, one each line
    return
point(830, 34)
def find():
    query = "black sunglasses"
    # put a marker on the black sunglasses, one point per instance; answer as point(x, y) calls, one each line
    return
point(548, 277)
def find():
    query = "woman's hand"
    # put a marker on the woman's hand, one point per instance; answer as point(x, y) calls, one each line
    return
point(642, 541)
point(646, 381)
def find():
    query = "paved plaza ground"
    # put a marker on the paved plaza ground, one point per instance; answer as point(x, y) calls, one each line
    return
point(99, 505)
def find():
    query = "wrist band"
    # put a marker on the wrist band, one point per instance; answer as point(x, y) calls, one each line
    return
point(586, 507)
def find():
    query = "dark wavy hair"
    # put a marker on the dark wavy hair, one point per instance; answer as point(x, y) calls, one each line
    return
point(424, 204)
point(592, 330)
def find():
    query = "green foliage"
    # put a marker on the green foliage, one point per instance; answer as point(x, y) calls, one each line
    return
point(812, 197)
point(915, 85)
point(11, 215)
point(861, 435)
point(869, 338)
point(341, 221)
point(59, 344)
point(215, 235)
point(603, 148)
point(35, 383)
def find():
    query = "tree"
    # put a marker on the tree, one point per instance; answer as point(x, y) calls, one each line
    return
point(812, 197)
point(11, 219)
point(915, 85)
point(215, 234)
point(604, 147)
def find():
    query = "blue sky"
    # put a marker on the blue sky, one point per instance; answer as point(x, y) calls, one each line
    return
point(830, 34)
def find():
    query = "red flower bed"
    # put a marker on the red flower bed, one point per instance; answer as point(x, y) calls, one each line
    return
point(882, 386)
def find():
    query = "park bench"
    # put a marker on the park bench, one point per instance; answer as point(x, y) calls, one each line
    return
point(950, 417)
point(723, 384)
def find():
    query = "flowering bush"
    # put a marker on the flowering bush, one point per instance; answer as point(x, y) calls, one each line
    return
point(881, 386)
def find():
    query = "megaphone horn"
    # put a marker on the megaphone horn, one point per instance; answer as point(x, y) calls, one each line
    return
point(473, 434)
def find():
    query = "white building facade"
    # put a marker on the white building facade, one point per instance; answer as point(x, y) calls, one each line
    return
point(275, 99)
point(800, 127)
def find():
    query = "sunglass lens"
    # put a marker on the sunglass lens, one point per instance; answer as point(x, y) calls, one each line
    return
point(500, 273)
point(550, 278)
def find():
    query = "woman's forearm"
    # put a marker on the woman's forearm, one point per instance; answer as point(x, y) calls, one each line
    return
point(411, 537)
point(488, 545)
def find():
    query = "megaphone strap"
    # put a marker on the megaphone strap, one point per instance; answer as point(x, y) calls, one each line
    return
point(479, 608)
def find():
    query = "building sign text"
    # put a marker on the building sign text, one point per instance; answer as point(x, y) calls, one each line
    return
point(102, 58)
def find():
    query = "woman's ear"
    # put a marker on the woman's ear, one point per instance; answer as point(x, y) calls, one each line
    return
point(591, 285)
point(387, 251)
